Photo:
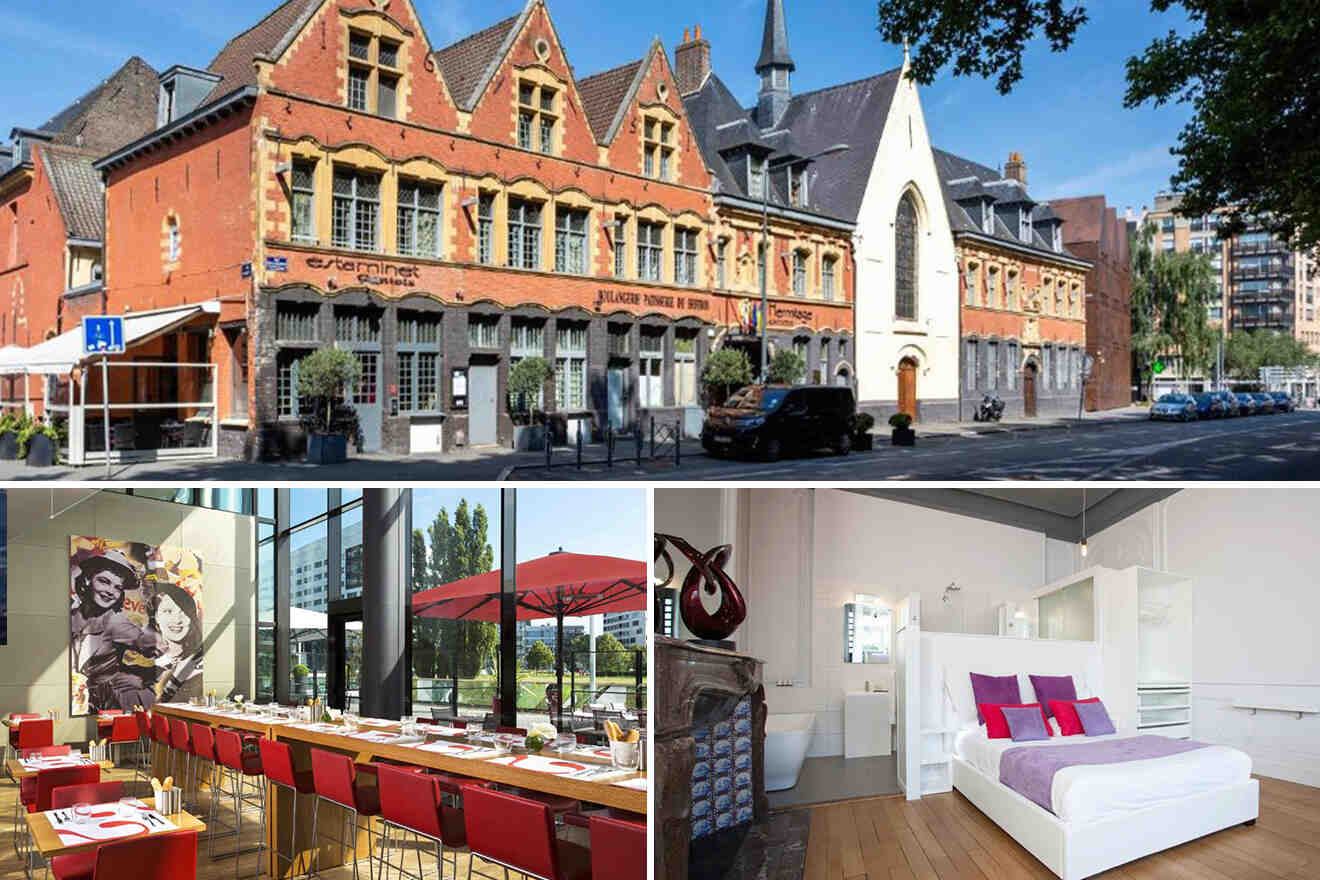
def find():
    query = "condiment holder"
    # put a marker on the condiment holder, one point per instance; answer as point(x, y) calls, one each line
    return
point(96, 751)
point(169, 801)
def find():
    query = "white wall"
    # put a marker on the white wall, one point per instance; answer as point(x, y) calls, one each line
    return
point(1256, 610)
point(904, 161)
point(35, 663)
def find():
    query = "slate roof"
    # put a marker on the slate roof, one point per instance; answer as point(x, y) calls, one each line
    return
point(602, 94)
point(234, 62)
point(78, 191)
point(988, 181)
point(851, 113)
point(774, 39)
point(464, 64)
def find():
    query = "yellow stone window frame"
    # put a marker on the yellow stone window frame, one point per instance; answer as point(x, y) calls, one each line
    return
point(375, 27)
point(539, 79)
point(655, 143)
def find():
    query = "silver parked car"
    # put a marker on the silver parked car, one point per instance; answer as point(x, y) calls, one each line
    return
point(1175, 406)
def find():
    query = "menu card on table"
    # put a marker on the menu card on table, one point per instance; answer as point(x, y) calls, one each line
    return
point(105, 823)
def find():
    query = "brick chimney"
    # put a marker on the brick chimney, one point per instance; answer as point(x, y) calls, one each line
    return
point(1015, 168)
point(691, 62)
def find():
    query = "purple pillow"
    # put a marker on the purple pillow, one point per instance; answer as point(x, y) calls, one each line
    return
point(997, 689)
point(1095, 718)
point(1053, 687)
point(1025, 724)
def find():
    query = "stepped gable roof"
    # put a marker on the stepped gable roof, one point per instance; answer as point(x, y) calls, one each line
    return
point(78, 191)
point(234, 62)
point(990, 182)
point(469, 63)
point(603, 95)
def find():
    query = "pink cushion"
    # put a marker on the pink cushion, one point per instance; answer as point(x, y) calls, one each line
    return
point(1069, 723)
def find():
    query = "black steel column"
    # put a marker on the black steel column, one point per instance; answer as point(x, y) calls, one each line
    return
point(386, 552)
point(281, 688)
point(508, 607)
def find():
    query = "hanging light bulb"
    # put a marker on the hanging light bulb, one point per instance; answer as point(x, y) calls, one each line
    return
point(1083, 523)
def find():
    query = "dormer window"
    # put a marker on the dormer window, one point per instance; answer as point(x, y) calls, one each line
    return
point(755, 177)
point(1058, 238)
point(374, 75)
point(797, 187)
point(987, 218)
point(1024, 224)
point(536, 117)
point(658, 148)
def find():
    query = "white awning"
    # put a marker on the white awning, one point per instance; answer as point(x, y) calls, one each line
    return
point(64, 352)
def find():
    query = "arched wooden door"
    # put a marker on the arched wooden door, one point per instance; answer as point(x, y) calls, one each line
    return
point(1029, 390)
point(907, 387)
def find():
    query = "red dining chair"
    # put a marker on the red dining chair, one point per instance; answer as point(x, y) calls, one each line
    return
point(277, 763)
point(337, 780)
point(86, 793)
point(57, 777)
point(414, 804)
point(105, 721)
point(12, 747)
point(239, 767)
point(27, 786)
point(123, 730)
point(534, 850)
point(170, 856)
point(618, 849)
point(35, 733)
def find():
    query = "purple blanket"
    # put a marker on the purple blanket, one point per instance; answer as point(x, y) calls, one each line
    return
point(1029, 770)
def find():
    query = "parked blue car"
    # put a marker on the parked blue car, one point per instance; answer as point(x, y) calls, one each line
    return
point(1175, 406)
point(1264, 403)
point(1209, 405)
point(1246, 403)
point(1282, 401)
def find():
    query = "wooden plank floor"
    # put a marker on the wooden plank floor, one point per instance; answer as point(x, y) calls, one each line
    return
point(945, 837)
point(11, 867)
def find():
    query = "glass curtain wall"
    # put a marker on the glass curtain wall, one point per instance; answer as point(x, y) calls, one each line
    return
point(266, 622)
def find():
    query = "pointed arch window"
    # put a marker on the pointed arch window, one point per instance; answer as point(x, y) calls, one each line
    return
point(905, 259)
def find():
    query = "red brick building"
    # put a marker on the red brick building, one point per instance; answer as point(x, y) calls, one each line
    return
point(1094, 231)
point(51, 229)
point(331, 178)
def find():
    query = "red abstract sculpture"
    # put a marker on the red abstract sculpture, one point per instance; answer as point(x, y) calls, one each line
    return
point(707, 573)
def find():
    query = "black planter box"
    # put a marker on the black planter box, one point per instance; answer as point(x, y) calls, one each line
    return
point(41, 451)
point(863, 442)
point(327, 448)
point(904, 437)
point(8, 446)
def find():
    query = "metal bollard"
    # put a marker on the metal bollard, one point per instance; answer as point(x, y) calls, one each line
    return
point(549, 443)
point(579, 446)
point(609, 446)
point(678, 443)
point(653, 436)
point(638, 436)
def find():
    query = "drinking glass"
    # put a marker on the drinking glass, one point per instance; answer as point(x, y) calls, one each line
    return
point(127, 807)
point(82, 813)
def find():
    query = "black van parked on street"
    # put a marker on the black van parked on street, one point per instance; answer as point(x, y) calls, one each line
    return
point(770, 420)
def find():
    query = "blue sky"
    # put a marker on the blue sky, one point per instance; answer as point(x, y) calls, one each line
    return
point(1066, 117)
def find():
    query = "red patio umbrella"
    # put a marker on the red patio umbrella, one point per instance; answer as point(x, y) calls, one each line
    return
point(558, 585)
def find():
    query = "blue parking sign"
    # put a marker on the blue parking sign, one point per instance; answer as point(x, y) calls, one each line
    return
point(103, 334)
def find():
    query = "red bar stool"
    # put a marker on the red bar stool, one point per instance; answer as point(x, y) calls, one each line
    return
point(181, 743)
point(239, 768)
point(156, 857)
point(143, 764)
point(160, 732)
point(203, 746)
point(277, 762)
point(414, 803)
point(534, 850)
point(618, 849)
point(337, 780)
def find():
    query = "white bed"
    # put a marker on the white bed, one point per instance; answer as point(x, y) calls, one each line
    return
point(1109, 814)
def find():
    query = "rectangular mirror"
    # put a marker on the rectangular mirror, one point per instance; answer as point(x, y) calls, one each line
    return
point(866, 632)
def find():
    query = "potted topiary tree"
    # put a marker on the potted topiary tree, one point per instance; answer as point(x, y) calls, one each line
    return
point(526, 382)
point(861, 426)
point(726, 369)
point(787, 367)
point(325, 375)
point(903, 435)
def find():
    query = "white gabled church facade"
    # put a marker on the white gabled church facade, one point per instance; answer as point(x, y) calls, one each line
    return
point(898, 347)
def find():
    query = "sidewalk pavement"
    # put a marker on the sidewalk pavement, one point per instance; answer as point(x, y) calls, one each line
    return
point(972, 429)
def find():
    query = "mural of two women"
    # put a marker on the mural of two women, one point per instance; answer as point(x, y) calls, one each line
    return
point(135, 625)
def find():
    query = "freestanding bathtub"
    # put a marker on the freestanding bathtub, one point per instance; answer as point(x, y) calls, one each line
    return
point(787, 738)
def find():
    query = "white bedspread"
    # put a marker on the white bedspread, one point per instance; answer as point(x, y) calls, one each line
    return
point(1087, 793)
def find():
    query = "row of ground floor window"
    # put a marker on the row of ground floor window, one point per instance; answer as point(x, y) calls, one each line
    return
point(1031, 378)
point(434, 377)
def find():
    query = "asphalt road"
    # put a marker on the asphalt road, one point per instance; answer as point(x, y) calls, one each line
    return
point(1272, 447)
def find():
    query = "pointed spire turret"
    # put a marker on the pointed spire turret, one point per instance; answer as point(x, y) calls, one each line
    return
point(773, 66)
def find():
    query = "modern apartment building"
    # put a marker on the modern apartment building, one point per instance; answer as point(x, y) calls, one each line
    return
point(1263, 284)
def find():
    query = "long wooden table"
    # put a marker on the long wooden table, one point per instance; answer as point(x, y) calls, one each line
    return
point(48, 842)
point(323, 853)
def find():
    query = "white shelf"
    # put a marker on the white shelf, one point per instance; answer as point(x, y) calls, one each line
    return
point(1161, 708)
point(1153, 724)
point(1298, 710)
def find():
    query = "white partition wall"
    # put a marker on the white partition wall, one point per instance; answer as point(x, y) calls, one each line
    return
point(907, 694)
